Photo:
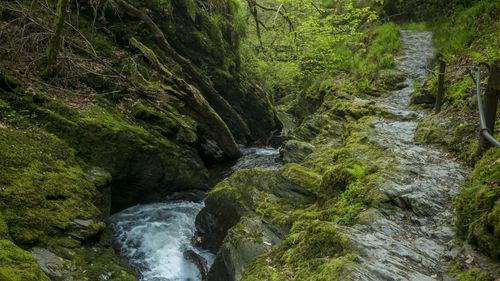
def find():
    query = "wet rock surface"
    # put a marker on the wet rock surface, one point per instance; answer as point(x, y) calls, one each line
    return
point(233, 223)
point(409, 242)
point(51, 264)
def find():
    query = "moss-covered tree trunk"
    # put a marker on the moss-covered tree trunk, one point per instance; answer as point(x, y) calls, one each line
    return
point(55, 41)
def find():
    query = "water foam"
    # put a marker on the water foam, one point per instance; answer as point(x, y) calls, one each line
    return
point(154, 238)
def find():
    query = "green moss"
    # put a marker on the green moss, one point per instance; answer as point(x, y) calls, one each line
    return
point(301, 175)
point(450, 132)
point(478, 206)
point(474, 274)
point(98, 261)
point(464, 272)
point(316, 253)
point(350, 176)
point(104, 46)
point(18, 265)
point(9, 83)
point(43, 190)
point(430, 133)
point(43, 186)
point(4, 230)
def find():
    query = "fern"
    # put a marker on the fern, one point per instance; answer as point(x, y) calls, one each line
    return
point(357, 171)
point(191, 9)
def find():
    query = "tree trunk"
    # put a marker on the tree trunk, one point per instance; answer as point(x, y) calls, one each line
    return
point(55, 41)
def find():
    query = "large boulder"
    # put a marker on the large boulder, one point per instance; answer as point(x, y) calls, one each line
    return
point(296, 151)
point(249, 213)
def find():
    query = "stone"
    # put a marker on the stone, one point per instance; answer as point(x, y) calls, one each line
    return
point(295, 151)
point(199, 261)
point(82, 223)
point(51, 264)
point(243, 243)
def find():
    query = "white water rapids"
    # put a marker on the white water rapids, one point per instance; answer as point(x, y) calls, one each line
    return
point(154, 236)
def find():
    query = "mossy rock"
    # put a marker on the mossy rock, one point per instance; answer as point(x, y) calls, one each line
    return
point(296, 151)
point(243, 243)
point(47, 199)
point(454, 134)
point(247, 191)
point(17, 264)
point(267, 198)
point(44, 187)
point(478, 207)
point(317, 253)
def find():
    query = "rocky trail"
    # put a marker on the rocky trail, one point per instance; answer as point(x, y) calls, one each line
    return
point(413, 240)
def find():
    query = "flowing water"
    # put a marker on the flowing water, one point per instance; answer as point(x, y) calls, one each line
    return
point(155, 236)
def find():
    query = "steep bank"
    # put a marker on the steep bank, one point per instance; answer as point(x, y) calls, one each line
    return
point(126, 118)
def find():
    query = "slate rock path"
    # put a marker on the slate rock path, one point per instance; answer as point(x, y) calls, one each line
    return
point(411, 241)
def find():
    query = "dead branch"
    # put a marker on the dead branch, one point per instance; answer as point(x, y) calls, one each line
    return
point(287, 19)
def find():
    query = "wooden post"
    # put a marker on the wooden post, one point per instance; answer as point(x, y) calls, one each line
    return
point(439, 97)
point(490, 104)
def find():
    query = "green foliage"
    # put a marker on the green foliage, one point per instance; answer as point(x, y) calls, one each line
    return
point(474, 30)
point(469, 34)
point(380, 51)
point(23, 119)
point(239, 23)
point(191, 9)
point(326, 41)
point(357, 171)
point(463, 272)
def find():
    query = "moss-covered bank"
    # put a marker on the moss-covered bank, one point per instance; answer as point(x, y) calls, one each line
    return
point(124, 119)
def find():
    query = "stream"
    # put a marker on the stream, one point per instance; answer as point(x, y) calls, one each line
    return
point(155, 236)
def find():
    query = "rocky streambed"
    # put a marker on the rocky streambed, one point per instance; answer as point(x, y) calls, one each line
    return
point(159, 239)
